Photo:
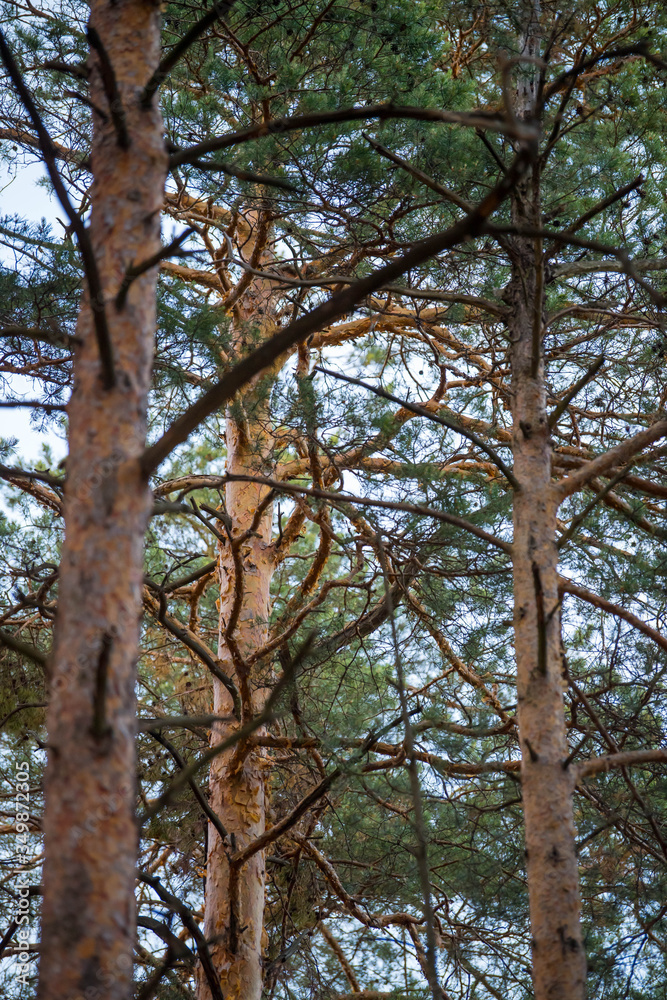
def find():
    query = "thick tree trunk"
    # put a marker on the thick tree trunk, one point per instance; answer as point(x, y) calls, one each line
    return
point(559, 963)
point(90, 831)
point(234, 909)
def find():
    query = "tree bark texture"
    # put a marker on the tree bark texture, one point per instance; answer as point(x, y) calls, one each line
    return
point(234, 908)
point(559, 963)
point(88, 924)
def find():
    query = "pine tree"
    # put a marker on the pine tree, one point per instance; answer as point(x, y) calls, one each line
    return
point(329, 568)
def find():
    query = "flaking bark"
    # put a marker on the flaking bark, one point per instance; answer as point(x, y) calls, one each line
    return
point(88, 920)
point(234, 908)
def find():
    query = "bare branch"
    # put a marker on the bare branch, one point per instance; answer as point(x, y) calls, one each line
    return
point(631, 758)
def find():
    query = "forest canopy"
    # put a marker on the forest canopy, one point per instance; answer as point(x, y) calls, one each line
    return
point(333, 654)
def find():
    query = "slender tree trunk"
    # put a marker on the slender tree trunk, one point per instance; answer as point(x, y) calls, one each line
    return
point(88, 919)
point(559, 963)
point(234, 910)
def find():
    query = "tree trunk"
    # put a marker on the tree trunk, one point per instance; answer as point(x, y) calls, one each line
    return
point(559, 963)
point(234, 909)
point(88, 920)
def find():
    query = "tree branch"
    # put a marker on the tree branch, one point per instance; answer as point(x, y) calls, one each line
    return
point(338, 305)
point(23, 649)
point(381, 111)
point(419, 175)
point(423, 412)
point(190, 923)
point(176, 53)
point(196, 790)
point(50, 155)
point(632, 758)
point(334, 497)
point(568, 587)
point(159, 610)
point(620, 455)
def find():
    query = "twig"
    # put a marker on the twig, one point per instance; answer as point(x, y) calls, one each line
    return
point(344, 498)
point(244, 175)
point(590, 373)
point(580, 518)
point(419, 174)
point(196, 790)
point(190, 924)
point(640, 49)
point(605, 203)
point(193, 642)
point(135, 270)
point(240, 734)
point(626, 264)
point(276, 831)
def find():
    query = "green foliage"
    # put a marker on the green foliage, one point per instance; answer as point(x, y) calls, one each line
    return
point(353, 209)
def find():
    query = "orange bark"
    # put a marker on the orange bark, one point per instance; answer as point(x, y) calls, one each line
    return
point(559, 961)
point(90, 831)
point(234, 909)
